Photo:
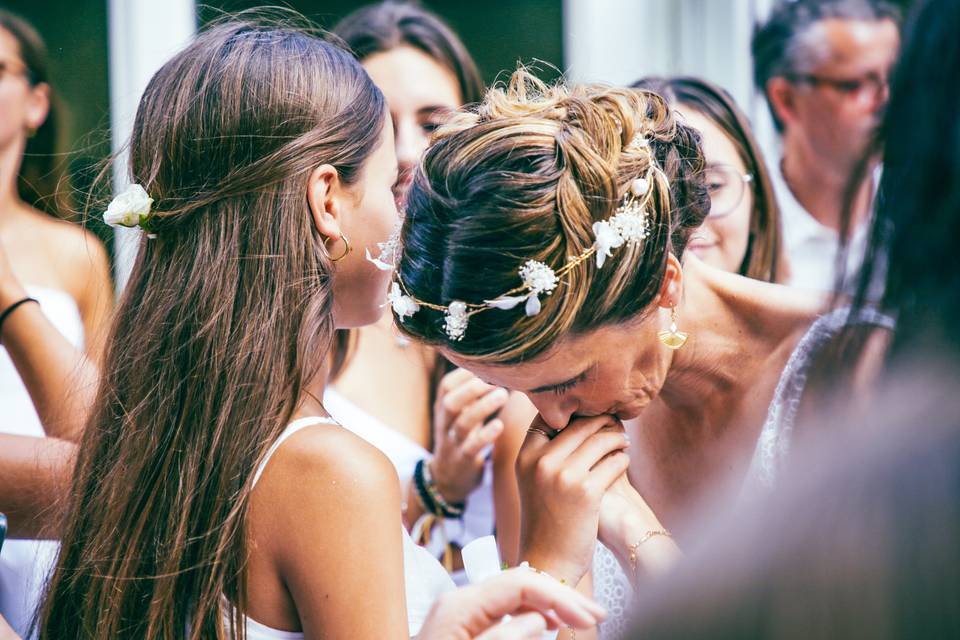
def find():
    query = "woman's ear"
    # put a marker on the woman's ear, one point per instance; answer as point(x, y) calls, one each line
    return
point(672, 288)
point(325, 195)
point(38, 106)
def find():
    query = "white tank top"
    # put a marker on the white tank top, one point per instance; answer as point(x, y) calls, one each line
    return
point(24, 564)
point(424, 578)
point(477, 520)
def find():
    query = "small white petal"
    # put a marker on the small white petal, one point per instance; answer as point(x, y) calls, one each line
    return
point(505, 303)
point(639, 187)
point(379, 264)
point(532, 307)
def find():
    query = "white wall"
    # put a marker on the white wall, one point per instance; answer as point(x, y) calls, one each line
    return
point(619, 41)
point(143, 35)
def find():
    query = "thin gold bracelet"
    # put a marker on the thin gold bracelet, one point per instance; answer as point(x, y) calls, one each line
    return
point(527, 565)
point(636, 545)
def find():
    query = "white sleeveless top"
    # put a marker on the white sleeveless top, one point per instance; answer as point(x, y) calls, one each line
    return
point(24, 564)
point(611, 587)
point(424, 578)
point(477, 520)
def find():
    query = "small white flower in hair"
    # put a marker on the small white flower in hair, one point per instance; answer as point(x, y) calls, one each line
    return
point(404, 306)
point(607, 239)
point(455, 320)
point(130, 208)
point(631, 225)
point(538, 278)
point(389, 250)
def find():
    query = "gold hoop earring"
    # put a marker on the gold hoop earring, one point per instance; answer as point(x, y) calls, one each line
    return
point(347, 249)
point(673, 339)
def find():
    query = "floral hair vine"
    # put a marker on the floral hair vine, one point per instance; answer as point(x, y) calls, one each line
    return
point(629, 225)
point(130, 209)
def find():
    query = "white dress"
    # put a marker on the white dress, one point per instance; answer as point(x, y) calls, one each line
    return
point(611, 586)
point(424, 578)
point(404, 453)
point(24, 564)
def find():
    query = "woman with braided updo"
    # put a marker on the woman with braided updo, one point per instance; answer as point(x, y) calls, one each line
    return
point(543, 250)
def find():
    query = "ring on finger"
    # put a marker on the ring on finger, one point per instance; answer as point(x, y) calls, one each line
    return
point(541, 431)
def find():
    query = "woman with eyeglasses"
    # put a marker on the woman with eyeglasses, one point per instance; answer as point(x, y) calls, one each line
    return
point(742, 233)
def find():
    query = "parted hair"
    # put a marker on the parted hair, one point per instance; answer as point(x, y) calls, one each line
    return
point(524, 176)
point(226, 317)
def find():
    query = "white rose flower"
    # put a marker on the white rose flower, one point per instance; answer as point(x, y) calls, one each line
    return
point(130, 208)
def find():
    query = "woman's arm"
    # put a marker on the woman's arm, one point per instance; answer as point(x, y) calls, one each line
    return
point(61, 381)
point(95, 296)
point(517, 416)
point(327, 513)
point(35, 475)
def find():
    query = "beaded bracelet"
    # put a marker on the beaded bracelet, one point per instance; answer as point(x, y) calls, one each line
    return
point(432, 501)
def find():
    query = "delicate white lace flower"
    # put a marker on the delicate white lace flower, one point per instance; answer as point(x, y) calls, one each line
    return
point(631, 224)
point(130, 208)
point(403, 305)
point(455, 320)
point(538, 278)
point(389, 250)
point(607, 239)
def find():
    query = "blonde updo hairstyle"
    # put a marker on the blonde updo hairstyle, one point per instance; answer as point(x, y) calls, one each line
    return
point(524, 175)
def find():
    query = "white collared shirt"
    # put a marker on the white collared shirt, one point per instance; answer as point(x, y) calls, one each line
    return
point(810, 246)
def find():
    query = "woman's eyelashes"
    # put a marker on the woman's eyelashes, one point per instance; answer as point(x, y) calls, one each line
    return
point(563, 387)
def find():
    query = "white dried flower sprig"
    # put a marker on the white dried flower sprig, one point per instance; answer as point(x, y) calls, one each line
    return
point(628, 226)
point(389, 251)
point(537, 278)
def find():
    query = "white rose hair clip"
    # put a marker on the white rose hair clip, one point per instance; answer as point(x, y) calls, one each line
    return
point(628, 226)
point(130, 209)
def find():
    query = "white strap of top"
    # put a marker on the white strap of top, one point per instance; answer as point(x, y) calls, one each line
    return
point(291, 429)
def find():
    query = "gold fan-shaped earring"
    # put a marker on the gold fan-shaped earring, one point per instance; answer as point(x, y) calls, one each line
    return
point(673, 339)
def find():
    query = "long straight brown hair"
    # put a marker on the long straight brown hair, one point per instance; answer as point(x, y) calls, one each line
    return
point(226, 317)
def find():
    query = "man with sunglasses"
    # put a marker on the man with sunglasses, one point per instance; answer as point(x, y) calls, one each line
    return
point(823, 66)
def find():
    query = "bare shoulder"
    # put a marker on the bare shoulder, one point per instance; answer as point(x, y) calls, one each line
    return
point(73, 250)
point(329, 456)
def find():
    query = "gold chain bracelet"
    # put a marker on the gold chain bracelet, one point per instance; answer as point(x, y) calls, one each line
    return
point(634, 562)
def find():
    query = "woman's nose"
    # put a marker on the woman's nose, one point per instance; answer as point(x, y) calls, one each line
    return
point(556, 412)
point(409, 144)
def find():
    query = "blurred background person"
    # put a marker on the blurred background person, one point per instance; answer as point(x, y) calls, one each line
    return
point(63, 267)
point(861, 538)
point(742, 231)
point(822, 66)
